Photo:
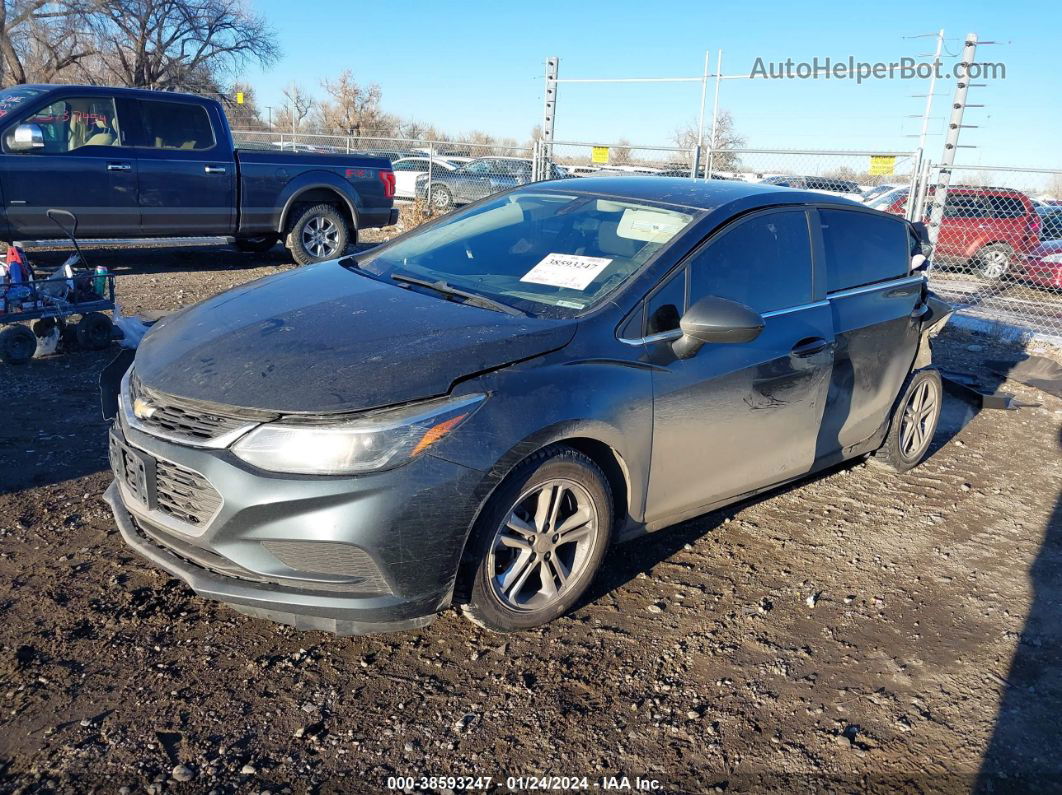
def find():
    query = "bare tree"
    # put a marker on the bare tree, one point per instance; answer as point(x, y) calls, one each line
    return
point(297, 106)
point(180, 44)
point(41, 38)
point(245, 115)
point(352, 109)
point(620, 153)
point(726, 137)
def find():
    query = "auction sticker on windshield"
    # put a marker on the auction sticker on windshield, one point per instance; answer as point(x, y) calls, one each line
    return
point(573, 271)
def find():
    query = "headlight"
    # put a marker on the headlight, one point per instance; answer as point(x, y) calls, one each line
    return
point(375, 441)
point(1054, 259)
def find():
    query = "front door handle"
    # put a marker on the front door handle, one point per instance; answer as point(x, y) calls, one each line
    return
point(809, 347)
point(119, 167)
point(214, 169)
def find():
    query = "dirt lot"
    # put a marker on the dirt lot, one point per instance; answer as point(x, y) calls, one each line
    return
point(861, 630)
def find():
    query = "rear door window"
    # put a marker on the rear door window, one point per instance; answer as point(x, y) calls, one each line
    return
point(763, 262)
point(863, 248)
point(176, 125)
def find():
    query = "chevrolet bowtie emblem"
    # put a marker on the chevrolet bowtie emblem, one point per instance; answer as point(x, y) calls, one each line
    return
point(142, 409)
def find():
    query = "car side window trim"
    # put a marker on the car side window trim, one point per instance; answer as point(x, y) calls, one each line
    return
point(869, 288)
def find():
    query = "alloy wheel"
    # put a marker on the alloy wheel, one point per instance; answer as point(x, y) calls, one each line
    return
point(919, 419)
point(995, 264)
point(320, 237)
point(544, 545)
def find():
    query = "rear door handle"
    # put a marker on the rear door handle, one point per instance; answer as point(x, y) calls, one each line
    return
point(119, 167)
point(809, 347)
point(214, 169)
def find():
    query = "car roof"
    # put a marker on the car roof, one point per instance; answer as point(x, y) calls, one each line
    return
point(693, 193)
point(112, 91)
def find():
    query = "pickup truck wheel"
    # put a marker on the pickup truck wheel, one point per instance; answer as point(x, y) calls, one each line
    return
point(256, 245)
point(17, 344)
point(318, 233)
point(993, 261)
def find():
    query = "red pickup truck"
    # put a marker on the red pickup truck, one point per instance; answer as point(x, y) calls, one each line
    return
point(985, 230)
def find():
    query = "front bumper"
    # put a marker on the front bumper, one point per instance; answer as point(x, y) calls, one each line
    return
point(1043, 274)
point(404, 529)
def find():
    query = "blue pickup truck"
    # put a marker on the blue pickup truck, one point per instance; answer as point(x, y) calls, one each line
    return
point(132, 163)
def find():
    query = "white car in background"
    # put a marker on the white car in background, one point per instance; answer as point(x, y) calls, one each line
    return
point(834, 187)
point(870, 194)
point(407, 169)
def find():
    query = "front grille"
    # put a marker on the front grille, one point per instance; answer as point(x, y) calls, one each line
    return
point(328, 557)
point(130, 469)
point(178, 419)
point(211, 561)
point(184, 494)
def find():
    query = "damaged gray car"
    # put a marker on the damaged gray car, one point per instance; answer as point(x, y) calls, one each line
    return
point(472, 413)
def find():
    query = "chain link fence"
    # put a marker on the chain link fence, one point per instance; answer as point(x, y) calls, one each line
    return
point(998, 244)
point(997, 252)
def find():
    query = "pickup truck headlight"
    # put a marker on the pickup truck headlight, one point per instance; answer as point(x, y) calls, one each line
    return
point(381, 440)
point(1054, 259)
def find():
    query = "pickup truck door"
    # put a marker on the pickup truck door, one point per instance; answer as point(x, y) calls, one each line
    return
point(85, 167)
point(187, 172)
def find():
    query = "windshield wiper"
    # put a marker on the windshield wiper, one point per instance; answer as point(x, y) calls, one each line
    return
point(475, 299)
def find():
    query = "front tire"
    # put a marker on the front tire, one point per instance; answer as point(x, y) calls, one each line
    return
point(319, 233)
point(914, 422)
point(539, 541)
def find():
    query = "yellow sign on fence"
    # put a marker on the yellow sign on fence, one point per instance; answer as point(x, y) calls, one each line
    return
point(239, 97)
point(599, 155)
point(882, 165)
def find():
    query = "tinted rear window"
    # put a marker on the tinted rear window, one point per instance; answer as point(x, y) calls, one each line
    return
point(862, 248)
point(176, 125)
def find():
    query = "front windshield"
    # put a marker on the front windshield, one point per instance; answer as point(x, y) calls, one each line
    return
point(543, 253)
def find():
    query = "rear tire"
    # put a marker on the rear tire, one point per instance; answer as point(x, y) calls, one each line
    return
point(994, 261)
point(94, 331)
point(17, 344)
point(539, 541)
point(256, 245)
point(319, 233)
point(914, 422)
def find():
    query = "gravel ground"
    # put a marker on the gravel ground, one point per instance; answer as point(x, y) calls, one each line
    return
point(859, 630)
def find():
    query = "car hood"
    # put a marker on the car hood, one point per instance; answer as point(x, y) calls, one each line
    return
point(1047, 247)
point(325, 339)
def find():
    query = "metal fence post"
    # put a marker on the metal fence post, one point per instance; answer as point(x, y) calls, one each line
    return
point(951, 142)
point(431, 164)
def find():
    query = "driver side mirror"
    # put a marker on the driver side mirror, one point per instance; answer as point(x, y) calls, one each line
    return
point(716, 320)
point(27, 137)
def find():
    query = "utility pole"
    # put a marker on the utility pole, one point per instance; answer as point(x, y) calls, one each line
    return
point(269, 116)
point(549, 109)
point(951, 142)
point(291, 101)
point(696, 166)
point(715, 113)
point(916, 193)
